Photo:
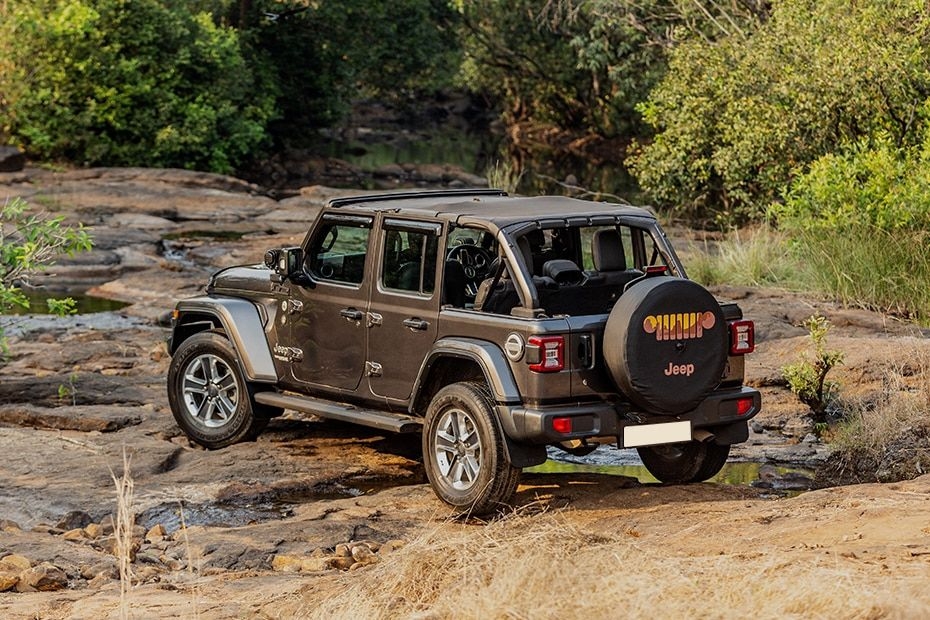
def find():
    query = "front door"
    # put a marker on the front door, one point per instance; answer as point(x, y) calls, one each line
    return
point(328, 320)
point(404, 309)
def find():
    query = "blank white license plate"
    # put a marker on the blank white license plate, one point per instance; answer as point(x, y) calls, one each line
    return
point(656, 434)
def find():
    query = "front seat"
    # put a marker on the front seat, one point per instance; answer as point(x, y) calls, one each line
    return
point(504, 297)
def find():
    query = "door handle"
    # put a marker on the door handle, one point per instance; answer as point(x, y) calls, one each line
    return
point(415, 323)
point(352, 314)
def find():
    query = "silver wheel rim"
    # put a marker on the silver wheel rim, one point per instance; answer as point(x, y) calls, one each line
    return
point(458, 449)
point(211, 391)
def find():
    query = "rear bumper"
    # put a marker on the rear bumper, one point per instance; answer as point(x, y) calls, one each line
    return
point(717, 413)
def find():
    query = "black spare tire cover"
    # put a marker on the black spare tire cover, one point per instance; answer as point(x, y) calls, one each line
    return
point(665, 344)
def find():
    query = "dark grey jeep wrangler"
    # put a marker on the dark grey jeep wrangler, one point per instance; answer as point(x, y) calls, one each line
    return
point(498, 325)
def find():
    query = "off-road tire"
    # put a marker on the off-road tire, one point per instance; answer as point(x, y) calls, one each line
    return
point(489, 479)
point(694, 461)
point(230, 420)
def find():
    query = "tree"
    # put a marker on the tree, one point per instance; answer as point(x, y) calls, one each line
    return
point(128, 82)
point(736, 119)
point(583, 66)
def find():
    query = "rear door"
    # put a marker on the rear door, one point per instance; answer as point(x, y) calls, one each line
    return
point(404, 309)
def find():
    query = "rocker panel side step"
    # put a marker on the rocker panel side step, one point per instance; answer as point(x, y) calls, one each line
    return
point(382, 420)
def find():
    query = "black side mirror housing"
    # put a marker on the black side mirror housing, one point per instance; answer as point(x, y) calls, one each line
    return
point(286, 263)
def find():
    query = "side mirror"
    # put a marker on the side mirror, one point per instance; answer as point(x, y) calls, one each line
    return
point(285, 262)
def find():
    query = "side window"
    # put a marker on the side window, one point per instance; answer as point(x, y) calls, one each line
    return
point(338, 250)
point(653, 255)
point(408, 261)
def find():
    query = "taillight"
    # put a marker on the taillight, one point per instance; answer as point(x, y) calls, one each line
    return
point(562, 425)
point(742, 337)
point(743, 406)
point(551, 353)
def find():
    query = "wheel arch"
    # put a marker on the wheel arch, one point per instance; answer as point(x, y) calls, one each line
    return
point(454, 360)
point(463, 359)
point(242, 324)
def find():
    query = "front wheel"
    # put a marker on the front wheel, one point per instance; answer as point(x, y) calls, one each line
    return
point(463, 451)
point(208, 395)
point(689, 462)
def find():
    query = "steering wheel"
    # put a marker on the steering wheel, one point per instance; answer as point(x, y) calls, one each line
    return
point(477, 263)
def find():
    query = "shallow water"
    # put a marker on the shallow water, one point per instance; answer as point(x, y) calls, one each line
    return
point(85, 304)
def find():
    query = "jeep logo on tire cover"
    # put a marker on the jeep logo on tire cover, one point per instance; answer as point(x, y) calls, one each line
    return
point(680, 326)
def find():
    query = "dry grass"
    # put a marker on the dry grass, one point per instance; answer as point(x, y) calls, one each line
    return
point(887, 437)
point(125, 519)
point(531, 567)
point(504, 175)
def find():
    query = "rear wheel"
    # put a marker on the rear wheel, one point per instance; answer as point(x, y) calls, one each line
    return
point(687, 462)
point(463, 451)
point(209, 397)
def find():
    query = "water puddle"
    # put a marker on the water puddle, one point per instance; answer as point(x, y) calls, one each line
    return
point(85, 304)
point(222, 235)
point(780, 481)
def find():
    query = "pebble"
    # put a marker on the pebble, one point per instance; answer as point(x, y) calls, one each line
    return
point(157, 532)
point(75, 534)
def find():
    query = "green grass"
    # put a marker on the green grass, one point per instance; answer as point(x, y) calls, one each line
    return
point(888, 271)
point(758, 256)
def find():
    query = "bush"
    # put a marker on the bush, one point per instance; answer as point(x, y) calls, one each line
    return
point(860, 219)
point(736, 119)
point(582, 66)
point(127, 82)
point(808, 376)
point(28, 244)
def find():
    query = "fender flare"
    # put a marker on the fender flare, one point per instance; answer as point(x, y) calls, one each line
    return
point(489, 357)
point(243, 325)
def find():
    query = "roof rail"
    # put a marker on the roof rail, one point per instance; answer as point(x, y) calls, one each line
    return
point(437, 193)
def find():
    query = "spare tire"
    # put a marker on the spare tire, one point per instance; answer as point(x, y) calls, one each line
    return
point(665, 344)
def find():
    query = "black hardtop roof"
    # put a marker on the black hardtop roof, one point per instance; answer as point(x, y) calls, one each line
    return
point(482, 206)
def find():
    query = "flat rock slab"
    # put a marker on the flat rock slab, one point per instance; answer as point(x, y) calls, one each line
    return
point(81, 388)
point(85, 418)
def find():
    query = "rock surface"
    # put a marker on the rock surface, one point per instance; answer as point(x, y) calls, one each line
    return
point(265, 528)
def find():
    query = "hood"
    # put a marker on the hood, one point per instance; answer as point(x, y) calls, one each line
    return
point(242, 279)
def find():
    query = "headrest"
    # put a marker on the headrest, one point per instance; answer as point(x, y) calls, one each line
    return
point(607, 250)
point(563, 271)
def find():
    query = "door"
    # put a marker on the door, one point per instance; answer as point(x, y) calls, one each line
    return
point(327, 316)
point(404, 309)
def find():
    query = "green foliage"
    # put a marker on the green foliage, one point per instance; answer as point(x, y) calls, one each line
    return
point(860, 219)
point(583, 66)
point(68, 391)
point(808, 376)
point(30, 242)
point(737, 118)
point(127, 82)
point(321, 56)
